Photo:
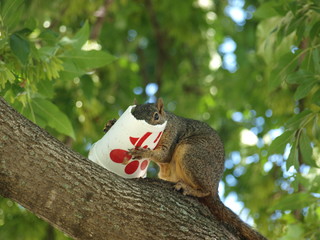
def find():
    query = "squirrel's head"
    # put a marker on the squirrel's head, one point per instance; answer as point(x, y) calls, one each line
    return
point(152, 113)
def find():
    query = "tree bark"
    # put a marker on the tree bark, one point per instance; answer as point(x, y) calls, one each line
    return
point(85, 200)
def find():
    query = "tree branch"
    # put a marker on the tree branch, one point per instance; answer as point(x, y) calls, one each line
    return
point(160, 39)
point(101, 15)
point(86, 201)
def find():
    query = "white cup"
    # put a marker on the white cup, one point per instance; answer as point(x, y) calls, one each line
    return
point(111, 151)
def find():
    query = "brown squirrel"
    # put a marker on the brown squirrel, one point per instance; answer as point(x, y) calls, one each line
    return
point(190, 154)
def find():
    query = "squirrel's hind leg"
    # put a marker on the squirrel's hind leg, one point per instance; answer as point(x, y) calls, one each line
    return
point(195, 176)
point(188, 190)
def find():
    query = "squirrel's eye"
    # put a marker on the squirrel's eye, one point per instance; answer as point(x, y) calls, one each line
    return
point(156, 116)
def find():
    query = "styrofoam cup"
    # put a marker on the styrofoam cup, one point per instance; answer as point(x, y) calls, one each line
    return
point(111, 151)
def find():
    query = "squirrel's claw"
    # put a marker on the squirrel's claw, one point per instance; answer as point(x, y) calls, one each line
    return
point(125, 161)
point(109, 124)
point(138, 153)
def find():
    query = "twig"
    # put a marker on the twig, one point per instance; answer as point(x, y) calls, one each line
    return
point(101, 15)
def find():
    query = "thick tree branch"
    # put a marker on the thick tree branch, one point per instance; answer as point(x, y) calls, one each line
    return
point(86, 201)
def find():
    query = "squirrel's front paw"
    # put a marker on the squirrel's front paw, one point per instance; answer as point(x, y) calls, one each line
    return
point(109, 124)
point(139, 153)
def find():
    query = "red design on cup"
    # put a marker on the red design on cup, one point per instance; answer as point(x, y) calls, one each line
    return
point(144, 165)
point(119, 155)
point(122, 156)
point(142, 139)
point(131, 167)
point(133, 140)
point(158, 137)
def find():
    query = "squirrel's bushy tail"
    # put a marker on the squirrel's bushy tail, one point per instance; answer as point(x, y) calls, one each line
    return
point(230, 220)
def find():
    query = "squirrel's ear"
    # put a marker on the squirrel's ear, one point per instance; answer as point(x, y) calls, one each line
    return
point(160, 105)
point(135, 102)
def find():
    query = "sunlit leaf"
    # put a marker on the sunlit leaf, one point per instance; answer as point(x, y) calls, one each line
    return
point(48, 51)
point(306, 149)
point(295, 121)
point(81, 36)
point(87, 60)
point(293, 158)
point(278, 144)
point(11, 12)
point(299, 77)
point(71, 70)
point(294, 231)
point(294, 201)
point(5, 76)
point(266, 10)
point(286, 64)
point(304, 89)
point(53, 116)
point(293, 23)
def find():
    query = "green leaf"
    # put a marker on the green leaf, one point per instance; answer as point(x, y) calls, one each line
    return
point(278, 144)
point(294, 122)
point(316, 97)
point(3, 42)
point(81, 36)
point(79, 39)
point(293, 158)
point(275, 78)
point(27, 109)
point(286, 65)
point(293, 6)
point(315, 30)
point(316, 127)
point(86, 60)
point(70, 71)
point(11, 12)
point(45, 88)
point(47, 52)
point(5, 75)
point(53, 116)
point(20, 47)
point(49, 36)
point(266, 10)
point(31, 24)
point(316, 59)
point(306, 149)
point(87, 86)
point(294, 201)
point(299, 77)
point(315, 8)
point(294, 231)
point(293, 23)
point(303, 90)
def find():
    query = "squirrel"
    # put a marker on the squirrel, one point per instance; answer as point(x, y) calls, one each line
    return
point(191, 154)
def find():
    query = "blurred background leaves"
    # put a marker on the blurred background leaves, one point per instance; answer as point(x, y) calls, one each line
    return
point(250, 69)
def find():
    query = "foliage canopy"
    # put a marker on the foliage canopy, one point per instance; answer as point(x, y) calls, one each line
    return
point(71, 65)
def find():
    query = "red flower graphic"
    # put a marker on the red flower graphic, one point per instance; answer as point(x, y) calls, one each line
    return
point(123, 157)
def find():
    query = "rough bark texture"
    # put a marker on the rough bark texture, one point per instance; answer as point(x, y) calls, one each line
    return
point(86, 201)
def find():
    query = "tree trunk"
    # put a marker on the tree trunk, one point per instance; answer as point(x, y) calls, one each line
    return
point(85, 200)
